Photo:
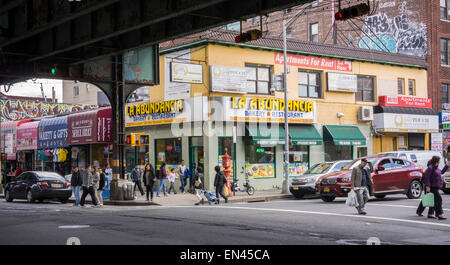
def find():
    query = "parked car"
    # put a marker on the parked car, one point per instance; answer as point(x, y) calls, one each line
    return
point(391, 175)
point(38, 185)
point(419, 157)
point(306, 183)
point(446, 178)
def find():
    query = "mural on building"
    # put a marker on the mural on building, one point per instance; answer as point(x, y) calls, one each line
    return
point(13, 110)
point(403, 33)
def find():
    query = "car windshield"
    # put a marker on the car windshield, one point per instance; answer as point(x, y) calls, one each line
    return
point(319, 168)
point(50, 176)
point(340, 165)
point(389, 154)
point(356, 163)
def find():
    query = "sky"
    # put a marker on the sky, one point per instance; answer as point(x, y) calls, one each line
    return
point(32, 88)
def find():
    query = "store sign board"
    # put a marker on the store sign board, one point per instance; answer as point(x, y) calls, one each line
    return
point(398, 122)
point(444, 117)
point(186, 73)
point(436, 141)
point(52, 133)
point(338, 82)
point(228, 79)
point(404, 101)
point(27, 136)
point(175, 90)
point(90, 127)
point(315, 62)
point(247, 109)
point(166, 112)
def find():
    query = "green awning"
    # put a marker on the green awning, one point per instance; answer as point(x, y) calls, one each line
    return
point(343, 135)
point(265, 136)
point(304, 135)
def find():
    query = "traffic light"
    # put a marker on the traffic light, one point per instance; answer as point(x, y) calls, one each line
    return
point(128, 140)
point(250, 35)
point(53, 69)
point(138, 139)
point(3, 157)
point(352, 12)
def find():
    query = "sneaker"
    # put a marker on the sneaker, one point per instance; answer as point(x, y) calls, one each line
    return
point(147, 199)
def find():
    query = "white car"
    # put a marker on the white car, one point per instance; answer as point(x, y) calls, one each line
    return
point(420, 158)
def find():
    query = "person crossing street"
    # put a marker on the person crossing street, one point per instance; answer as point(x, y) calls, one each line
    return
point(361, 178)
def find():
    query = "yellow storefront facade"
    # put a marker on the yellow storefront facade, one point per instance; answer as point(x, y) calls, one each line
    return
point(215, 94)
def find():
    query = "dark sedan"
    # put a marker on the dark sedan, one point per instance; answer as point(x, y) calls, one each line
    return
point(38, 185)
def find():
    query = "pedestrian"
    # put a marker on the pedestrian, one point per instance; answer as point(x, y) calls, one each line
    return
point(96, 182)
point(136, 177)
point(433, 183)
point(76, 183)
point(198, 183)
point(172, 177)
point(101, 186)
point(88, 187)
point(181, 173)
point(162, 177)
point(149, 179)
point(219, 182)
point(360, 179)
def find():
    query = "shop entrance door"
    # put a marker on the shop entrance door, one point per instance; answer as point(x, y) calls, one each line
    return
point(196, 158)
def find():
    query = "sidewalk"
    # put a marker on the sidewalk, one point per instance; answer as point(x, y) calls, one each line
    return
point(189, 199)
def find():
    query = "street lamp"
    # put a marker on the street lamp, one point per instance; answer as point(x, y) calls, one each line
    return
point(285, 188)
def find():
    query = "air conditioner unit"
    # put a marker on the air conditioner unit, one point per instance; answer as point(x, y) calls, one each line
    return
point(365, 113)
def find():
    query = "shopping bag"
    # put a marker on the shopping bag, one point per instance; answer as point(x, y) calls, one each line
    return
point(428, 200)
point(225, 191)
point(351, 199)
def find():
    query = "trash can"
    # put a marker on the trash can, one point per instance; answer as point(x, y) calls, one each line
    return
point(128, 190)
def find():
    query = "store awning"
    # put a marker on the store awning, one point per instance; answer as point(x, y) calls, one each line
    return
point(27, 136)
point(52, 133)
point(89, 127)
point(304, 135)
point(405, 119)
point(343, 135)
point(265, 136)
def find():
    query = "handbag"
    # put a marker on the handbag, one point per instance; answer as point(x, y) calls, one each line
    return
point(225, 191)
point(428, 200)
point(198, 182)
point(351, 199)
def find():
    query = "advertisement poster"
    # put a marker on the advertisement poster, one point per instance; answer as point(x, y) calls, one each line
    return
point(436, 142)
point(342, 82)
point(175, 90)
point(186, 73)
point(228, 79)
point(260, 170)
point(314, 62)
point(298, 168)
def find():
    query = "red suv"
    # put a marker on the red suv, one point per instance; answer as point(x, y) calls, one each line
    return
point(391, 175)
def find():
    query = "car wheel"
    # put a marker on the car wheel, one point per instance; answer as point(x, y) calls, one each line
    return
point(415, 190)
point(30, 198)
point(8, 197)
point(380, 196)
point(64, 200)
point(327, 198)
point(299, 195)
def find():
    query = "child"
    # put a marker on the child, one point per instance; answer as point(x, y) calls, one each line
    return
point(172, 178)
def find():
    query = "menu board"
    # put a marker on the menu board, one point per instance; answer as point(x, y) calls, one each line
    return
point(260, 170)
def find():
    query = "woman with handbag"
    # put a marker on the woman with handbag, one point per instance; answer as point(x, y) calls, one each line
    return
point(149, 179)
point(198, 184)
point(433, 183)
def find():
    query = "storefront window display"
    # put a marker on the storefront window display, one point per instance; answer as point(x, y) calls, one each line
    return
point(298, 160)
point(168, 151)
point(259, 160)
point(338, 152)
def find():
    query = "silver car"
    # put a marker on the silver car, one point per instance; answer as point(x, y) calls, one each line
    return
point(446, 179)
point(306, 183)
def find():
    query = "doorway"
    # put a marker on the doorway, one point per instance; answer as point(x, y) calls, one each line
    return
point(196, 153)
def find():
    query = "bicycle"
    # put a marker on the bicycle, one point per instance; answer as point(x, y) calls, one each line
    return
point(247, 187)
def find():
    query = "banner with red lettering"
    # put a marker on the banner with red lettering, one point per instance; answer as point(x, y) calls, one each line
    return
point(315, 62)
point(403, 101)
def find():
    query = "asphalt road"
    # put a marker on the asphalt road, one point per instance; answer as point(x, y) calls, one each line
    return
point(392, 220)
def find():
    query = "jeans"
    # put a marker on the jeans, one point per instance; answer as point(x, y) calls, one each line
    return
point(183, 184)
point(76, 193)
point(138, 183)
point(100, 196)
point(437, 203)
point(149, 189)
point(91, 191)
point(172, 187)
point(162, 184)
point(362, 196)
point(219, 191)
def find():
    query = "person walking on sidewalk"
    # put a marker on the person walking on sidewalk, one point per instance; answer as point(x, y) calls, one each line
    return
point(76, 183)
point(162, 178)
point(182, 174)
point(433, 183)
point(136, 177)
point(360, 179)
point(95, 183)
point(88, 187)
point(219, 182)
point(171, 178)
point(198, 183)
point(149, 179)
point(101, 186)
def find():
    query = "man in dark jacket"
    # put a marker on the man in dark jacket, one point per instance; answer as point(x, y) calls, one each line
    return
point(162, 175)
point(219, 182)
point(136, 177)
point(76, 183)
point(360, 179)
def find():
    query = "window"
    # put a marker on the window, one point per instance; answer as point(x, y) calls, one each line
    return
point(444, 93)
point(314, 32)
point(76, 91)
point(316, 3)
point(339, 166)
point(258, 79)
point(255, 20)
point(259, 160)
point(445, 51)
point(288, 33)
point(298, 160)
point(337, 152)
point(168, 151)
point(414, 158)
point(445, 9)
point(386, 164)
point(412, 87)
point(235, 26)
point(309, 85)
point(287, 11)
point(398, 163)
point(401, 86)
point(365, 89)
